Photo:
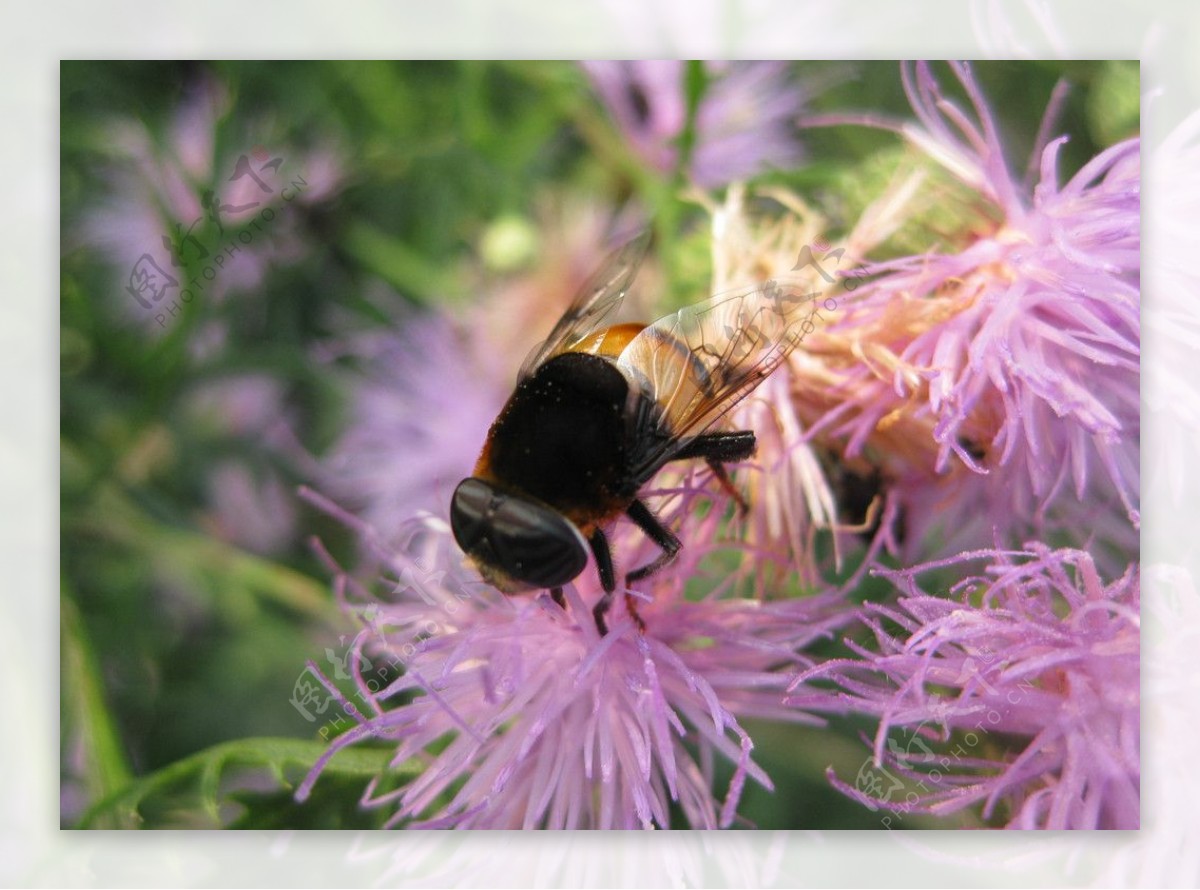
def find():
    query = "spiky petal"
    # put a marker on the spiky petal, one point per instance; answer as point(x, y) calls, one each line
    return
point(1017, 689)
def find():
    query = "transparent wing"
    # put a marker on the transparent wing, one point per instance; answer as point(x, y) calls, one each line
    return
point(599, 297)
point(696, 364)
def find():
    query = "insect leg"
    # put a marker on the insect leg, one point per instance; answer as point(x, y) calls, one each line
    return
point(604, 563)
point(722, 475)
point(716, 449)
point(660, 535)
point(604, 568)
point(656, 532)
point(721, 447)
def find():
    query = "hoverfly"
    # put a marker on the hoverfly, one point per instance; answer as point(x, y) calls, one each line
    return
point(597, 411)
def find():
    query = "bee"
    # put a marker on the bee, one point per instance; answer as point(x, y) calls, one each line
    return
point(597, 411)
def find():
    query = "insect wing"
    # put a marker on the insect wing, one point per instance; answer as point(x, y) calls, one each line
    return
point(599, 297)
point(696, 364)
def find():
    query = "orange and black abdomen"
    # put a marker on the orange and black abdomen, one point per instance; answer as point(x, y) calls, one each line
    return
point(562, 438)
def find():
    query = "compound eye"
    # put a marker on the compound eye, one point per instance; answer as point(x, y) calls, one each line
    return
point(470, 510)
point(536, 544)
point(524, 539)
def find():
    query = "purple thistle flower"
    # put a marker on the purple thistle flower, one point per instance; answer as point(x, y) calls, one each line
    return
point(413, 434)
point(520, 715)
point(1025, 677)
point(745, 123)
point(1015, 355)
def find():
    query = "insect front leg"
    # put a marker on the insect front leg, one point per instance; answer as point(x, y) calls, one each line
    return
point(608, 581)
point(660, 535)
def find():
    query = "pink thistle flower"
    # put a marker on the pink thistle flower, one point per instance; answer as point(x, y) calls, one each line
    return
point(521, 716)
point(744, 125)
point(1027, 674)
point(1016, 354)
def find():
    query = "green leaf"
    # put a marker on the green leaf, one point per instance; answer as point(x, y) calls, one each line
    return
point(403, 267)
point(1115, 102)
point(87, 721)
point(203, 562)
point(204, 781)
point(695, 82)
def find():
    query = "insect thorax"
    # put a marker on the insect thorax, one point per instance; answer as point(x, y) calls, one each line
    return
point(562, 436)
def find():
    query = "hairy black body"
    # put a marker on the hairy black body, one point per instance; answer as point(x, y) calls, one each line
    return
point(562, 437)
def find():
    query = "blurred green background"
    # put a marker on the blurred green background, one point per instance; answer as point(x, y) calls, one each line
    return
point(184, 624)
